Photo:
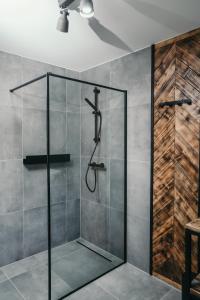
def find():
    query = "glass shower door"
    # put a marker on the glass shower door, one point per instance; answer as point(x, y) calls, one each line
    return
point(87, 183)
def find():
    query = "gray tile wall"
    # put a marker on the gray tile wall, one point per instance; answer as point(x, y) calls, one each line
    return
point(23, 190)
point(22, 131)
point(133, 73)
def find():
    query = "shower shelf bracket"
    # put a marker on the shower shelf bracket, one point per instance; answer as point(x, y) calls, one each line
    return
point(42, 159)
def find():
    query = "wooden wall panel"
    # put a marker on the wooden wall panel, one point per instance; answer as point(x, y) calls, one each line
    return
point(176, 152)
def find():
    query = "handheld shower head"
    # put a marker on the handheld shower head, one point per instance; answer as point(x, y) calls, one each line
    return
point(90, 103)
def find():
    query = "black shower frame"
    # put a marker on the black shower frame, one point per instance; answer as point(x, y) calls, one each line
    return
point(48, 163)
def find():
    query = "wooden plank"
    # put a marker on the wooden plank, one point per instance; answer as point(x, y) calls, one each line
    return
point(176, 153)
point(178, 38)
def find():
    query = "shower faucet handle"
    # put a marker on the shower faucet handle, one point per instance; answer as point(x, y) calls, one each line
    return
point(100, 166)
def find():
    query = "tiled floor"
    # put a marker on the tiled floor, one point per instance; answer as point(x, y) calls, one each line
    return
point(127, 283)
point(72, 266)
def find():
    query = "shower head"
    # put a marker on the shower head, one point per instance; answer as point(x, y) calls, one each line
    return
point(90, 103)
point(63, 22)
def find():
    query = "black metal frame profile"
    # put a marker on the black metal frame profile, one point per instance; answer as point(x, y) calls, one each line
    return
point(48, 163)
point(152, 158)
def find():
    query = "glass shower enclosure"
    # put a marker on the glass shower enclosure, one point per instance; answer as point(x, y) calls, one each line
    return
point(83, 155)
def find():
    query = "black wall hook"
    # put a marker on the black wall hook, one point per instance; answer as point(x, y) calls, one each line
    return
point(177, 102)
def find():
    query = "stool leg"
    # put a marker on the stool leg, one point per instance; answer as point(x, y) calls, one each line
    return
point(188, 261)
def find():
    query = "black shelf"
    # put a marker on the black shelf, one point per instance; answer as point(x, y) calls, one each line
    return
point(42, 159)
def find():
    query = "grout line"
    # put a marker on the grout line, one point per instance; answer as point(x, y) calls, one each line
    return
point(104, 289)
point(168, 293)
point(12, 283)
point(23, 200)
point(80, 183)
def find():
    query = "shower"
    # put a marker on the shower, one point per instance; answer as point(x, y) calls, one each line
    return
point(97, 138)
point(65, 227)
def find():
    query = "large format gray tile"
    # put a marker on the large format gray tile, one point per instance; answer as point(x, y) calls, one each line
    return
point(138, 189)
point(34, 132)
point(10, 72)
point(35, 230)
point(80, 267)
point(33, 285)
point(73, 178)
point(172, 295)
point(57, 132)
point(116, 134)
point(10, 133)
point(91, 292)
point(35, 186)
point(73, 133)
point(129, 283)
point(21, 266)
point(57, 90)
point(8, 291)
point(11, 193)
point(94, 223)
point(2, 276)
point(138, 234)
point(117, 184)
point(10, 99)
point(63, 250)
point(11, 237)
point(34, 129)
point(73, 93)
point(139, 132)
point(58, 178)
point(135, 69)
point(72, 219)
point(58, 223)
point(116, 233)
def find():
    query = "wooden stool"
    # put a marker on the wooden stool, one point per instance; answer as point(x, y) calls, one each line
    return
point(191, 281)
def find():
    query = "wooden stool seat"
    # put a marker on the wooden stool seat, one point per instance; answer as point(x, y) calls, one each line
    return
point(194, 226)
point(191, 281)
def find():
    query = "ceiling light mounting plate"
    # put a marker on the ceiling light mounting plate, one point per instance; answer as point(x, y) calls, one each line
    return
point(65, 3)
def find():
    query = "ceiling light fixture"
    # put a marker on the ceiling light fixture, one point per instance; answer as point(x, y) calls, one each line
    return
point(63, 22)
point(86, 10)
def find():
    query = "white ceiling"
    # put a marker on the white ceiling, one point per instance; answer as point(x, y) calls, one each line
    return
point(28, 28)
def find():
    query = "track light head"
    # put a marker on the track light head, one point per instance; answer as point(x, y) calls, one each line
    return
point(63, 22)
point(86, 9)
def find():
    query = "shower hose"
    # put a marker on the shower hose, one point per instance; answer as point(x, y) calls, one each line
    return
point(92, 189)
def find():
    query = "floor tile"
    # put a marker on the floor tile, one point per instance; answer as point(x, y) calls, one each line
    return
point(32, 285)
point(172, 295)
point(2, 276)
point(19, 267)
point(91, 292)
point(8, 292)
point(80, 267)
point(129, 283)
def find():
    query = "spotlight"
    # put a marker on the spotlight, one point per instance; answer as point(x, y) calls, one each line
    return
point(86, 8)
point(63, 22)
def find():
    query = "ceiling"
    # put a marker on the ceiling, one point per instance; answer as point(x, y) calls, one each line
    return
point(28, 28)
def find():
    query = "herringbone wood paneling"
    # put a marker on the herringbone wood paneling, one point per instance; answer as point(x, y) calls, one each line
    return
point(176, 152)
